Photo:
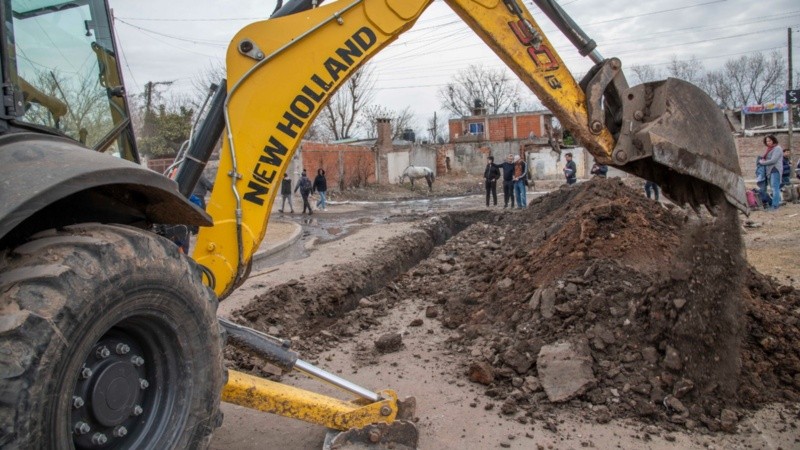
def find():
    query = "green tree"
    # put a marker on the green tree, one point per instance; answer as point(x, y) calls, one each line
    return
point(164, 131)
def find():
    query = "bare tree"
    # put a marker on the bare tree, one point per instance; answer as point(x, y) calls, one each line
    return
point(341, 112)
point(643, 74)
point(494, 87)
point(751, 79)
point(716, 86)
point(400, 120)
point(76, 105)
point(691, 70)
point(214, 73)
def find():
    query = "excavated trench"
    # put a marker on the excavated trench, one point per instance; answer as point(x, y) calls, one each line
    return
point(330, 295)
point(675, 326)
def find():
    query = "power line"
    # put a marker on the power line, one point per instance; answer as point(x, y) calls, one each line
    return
point(148, 34)
point(433, 49)
point(219, 19)
point(177, 38)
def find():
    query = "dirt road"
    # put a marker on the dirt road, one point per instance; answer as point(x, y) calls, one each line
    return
point(454, 412)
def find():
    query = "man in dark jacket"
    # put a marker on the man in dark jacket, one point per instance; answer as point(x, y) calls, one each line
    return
point(508, 180)
point(321, 186)
point(786, 177)
point(570, 170)
point(599, 170)
point(491, 174)
point(305, 187)
point(201, 189)
point(286, 193)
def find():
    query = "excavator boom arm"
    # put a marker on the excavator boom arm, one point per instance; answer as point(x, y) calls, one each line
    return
point(282, 71)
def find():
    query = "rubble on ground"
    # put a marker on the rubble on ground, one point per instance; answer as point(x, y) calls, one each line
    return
point(651, 311)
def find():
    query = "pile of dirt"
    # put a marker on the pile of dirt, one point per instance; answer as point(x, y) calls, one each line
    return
point(593, 298)
point(677, 327)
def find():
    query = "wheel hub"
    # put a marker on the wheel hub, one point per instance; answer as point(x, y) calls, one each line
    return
point(115, 392)
point(110, 393)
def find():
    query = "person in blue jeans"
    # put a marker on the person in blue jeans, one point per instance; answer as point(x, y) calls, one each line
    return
point(773, 163)
point(762, 181)
point(520, 182)
point(321, 186)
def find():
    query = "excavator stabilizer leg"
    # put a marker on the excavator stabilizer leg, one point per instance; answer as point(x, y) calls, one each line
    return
point(399, 435)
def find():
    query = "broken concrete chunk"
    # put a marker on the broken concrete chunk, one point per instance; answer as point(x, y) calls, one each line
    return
point(389, 343)
point(650, 354)
point(536, 299)
point(532, 384)
point(431, 312)
point(728, 420)
point(445, 268)
point(571, 289)
point(416, 323)
point(518, 361)
point(565, 370)
point(672, 403)
point(505, 283)
point(548, 303)
point(481, 372)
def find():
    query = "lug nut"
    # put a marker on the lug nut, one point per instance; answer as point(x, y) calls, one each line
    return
point(82, 428)
point(137, 410)
point(137, 360)
point(99, 439)
point(103, 352)
point(77, 402)
point(143, 383)
point(86, 373)
point(120, 431)
point(386, 411)
point(122, 349)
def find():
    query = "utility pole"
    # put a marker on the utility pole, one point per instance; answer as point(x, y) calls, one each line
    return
point(149, 87)
point(790, 87)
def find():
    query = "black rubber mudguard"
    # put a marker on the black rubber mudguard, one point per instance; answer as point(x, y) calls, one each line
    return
point(49, 181)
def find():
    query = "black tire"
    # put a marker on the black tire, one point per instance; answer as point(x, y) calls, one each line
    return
point(67, 294)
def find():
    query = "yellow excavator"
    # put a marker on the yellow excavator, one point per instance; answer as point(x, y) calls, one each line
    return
point(108, 333)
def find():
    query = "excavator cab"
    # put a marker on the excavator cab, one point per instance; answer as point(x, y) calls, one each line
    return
point(60, 59)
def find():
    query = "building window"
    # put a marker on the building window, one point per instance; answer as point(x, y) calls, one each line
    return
point(475, 128)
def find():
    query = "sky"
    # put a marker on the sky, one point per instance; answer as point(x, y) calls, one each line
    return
point(180, 39)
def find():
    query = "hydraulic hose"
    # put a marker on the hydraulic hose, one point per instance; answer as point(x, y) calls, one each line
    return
point(562, 20)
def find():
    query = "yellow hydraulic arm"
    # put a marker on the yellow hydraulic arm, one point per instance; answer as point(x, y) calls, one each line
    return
point(281, 71)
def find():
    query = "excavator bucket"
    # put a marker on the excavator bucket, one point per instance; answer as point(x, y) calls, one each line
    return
point(672, 133)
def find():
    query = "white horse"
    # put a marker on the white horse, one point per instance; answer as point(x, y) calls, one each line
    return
point(415, 173)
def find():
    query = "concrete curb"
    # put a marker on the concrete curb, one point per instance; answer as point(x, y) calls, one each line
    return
point(267, 250)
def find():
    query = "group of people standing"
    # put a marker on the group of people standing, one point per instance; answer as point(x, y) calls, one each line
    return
point(306, 188)
point(515, 181)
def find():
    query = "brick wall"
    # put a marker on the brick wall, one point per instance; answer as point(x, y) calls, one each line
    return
point(159, 165)
point(501, 128)
point(345, 165)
